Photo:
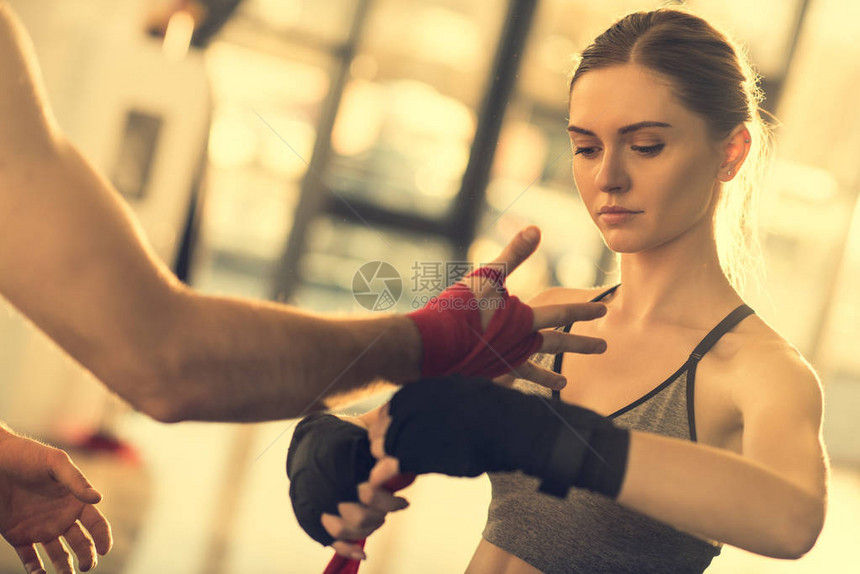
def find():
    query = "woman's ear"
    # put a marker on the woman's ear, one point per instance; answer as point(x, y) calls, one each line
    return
point(735, 148)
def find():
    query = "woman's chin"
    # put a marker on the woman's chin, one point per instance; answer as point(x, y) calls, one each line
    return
point(621, 245)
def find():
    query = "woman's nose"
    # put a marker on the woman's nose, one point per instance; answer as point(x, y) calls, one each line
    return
point(611, 176)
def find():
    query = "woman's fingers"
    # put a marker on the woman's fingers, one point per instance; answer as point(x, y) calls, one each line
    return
point(98, 527)
point(59, 556)
point(387, 468)
point(82, 545)
point(30, 559)
point(380, 498)
point(557, 342)
point(360, 520)
point(354, 523)
point(334, 525)
point(550, 316)
point(349, 550)
point(377, 430)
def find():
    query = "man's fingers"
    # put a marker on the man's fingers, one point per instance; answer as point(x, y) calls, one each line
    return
point(555, 342)
point(349, 550)
point(70, 476)
point(387, 468)
point(539, 375)
point(59, 556)
point(98, 527)
point(82, 545)
point(517, 250)
point(548, 316)
point(30, 559)
point(380, 498)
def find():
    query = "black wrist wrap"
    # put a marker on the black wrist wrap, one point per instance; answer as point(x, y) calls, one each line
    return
point(328, 458)
point(465, 426)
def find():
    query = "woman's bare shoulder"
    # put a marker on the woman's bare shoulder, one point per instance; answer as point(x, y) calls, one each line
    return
point(758, 352)
point(563, 295)
point(761, 342)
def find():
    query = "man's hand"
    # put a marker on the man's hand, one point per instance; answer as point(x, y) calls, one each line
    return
point(44, 496)
point(475, 328)
point(546, 317)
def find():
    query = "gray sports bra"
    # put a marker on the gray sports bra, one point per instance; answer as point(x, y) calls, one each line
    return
point(589, 533)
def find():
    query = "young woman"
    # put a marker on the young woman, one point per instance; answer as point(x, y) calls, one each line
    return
point(667, 140)
point(724, 415)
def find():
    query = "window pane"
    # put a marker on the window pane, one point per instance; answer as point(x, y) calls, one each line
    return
point(339, 273)
point(263, 132)
point(408, 116)
point(325, 21)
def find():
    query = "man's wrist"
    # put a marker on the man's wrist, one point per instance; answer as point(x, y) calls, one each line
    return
point(406, 336)
point(6, 439)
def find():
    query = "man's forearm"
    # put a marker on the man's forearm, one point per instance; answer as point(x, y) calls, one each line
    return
point(246, 361)
point(73, 261)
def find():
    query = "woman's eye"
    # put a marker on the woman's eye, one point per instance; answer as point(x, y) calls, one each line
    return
point(585, 151)
point(648, 150)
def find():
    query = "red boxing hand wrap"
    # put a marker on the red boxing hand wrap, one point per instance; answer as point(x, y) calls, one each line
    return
point(453, 341)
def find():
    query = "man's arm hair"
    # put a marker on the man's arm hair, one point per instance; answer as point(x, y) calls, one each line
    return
point(75, 263)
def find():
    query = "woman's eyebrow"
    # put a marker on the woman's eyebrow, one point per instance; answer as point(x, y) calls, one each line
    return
point(622, 130)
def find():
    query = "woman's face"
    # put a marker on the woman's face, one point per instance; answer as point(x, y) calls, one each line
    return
point(644, 165)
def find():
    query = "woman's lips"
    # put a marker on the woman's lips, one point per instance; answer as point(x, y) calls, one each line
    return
point(616, 215)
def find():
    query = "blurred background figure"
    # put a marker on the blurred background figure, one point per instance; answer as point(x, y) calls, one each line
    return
point(270, 148)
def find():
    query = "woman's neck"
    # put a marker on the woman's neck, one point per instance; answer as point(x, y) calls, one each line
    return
point(677, 282)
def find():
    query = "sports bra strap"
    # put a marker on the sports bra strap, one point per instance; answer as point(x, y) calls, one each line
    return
point(721, 329)
point(609, 291)
point(604, 294)
point(558, 358)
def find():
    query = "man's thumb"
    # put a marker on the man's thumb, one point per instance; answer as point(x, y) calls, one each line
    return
point(518, 250)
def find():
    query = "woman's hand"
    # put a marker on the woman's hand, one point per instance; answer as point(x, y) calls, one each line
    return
point(328, 465)
point(43, 497)
point(376, 435)
point(463, 426)
point(358, 521)
point(387, 467)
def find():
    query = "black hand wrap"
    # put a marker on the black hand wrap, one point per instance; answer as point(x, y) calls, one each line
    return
point(328, 458)
point(464, 427)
